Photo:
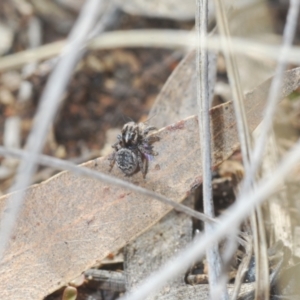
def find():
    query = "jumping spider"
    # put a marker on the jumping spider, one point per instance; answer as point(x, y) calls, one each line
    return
point(133, 148)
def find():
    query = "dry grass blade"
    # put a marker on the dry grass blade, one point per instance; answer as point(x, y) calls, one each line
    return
point(243, 268)
point(212, 254)
point(257, 227)
point(152, 38)
point(234, 80)
point(69, 222)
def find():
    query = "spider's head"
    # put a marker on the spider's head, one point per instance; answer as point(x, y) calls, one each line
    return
point(130, 133)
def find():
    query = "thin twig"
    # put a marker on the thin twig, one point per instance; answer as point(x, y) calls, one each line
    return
point(232, 219)
point(65, 165)
point(47, 109)
point(212, 254)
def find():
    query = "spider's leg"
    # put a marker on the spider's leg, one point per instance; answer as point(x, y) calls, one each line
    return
point(151, 139)
point(147, 149)
point(144, 149)
point(145, 167)
point(116, 144)
point(112, 159)
point(142, 164)
point(148, 129)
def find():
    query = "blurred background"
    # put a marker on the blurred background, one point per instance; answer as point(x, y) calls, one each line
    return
point(113, 86)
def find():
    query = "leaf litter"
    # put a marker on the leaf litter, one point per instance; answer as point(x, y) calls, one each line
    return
point(85, 219)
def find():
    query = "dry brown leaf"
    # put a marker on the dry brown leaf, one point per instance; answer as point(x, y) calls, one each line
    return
point(177, 99)
point(68, 223)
